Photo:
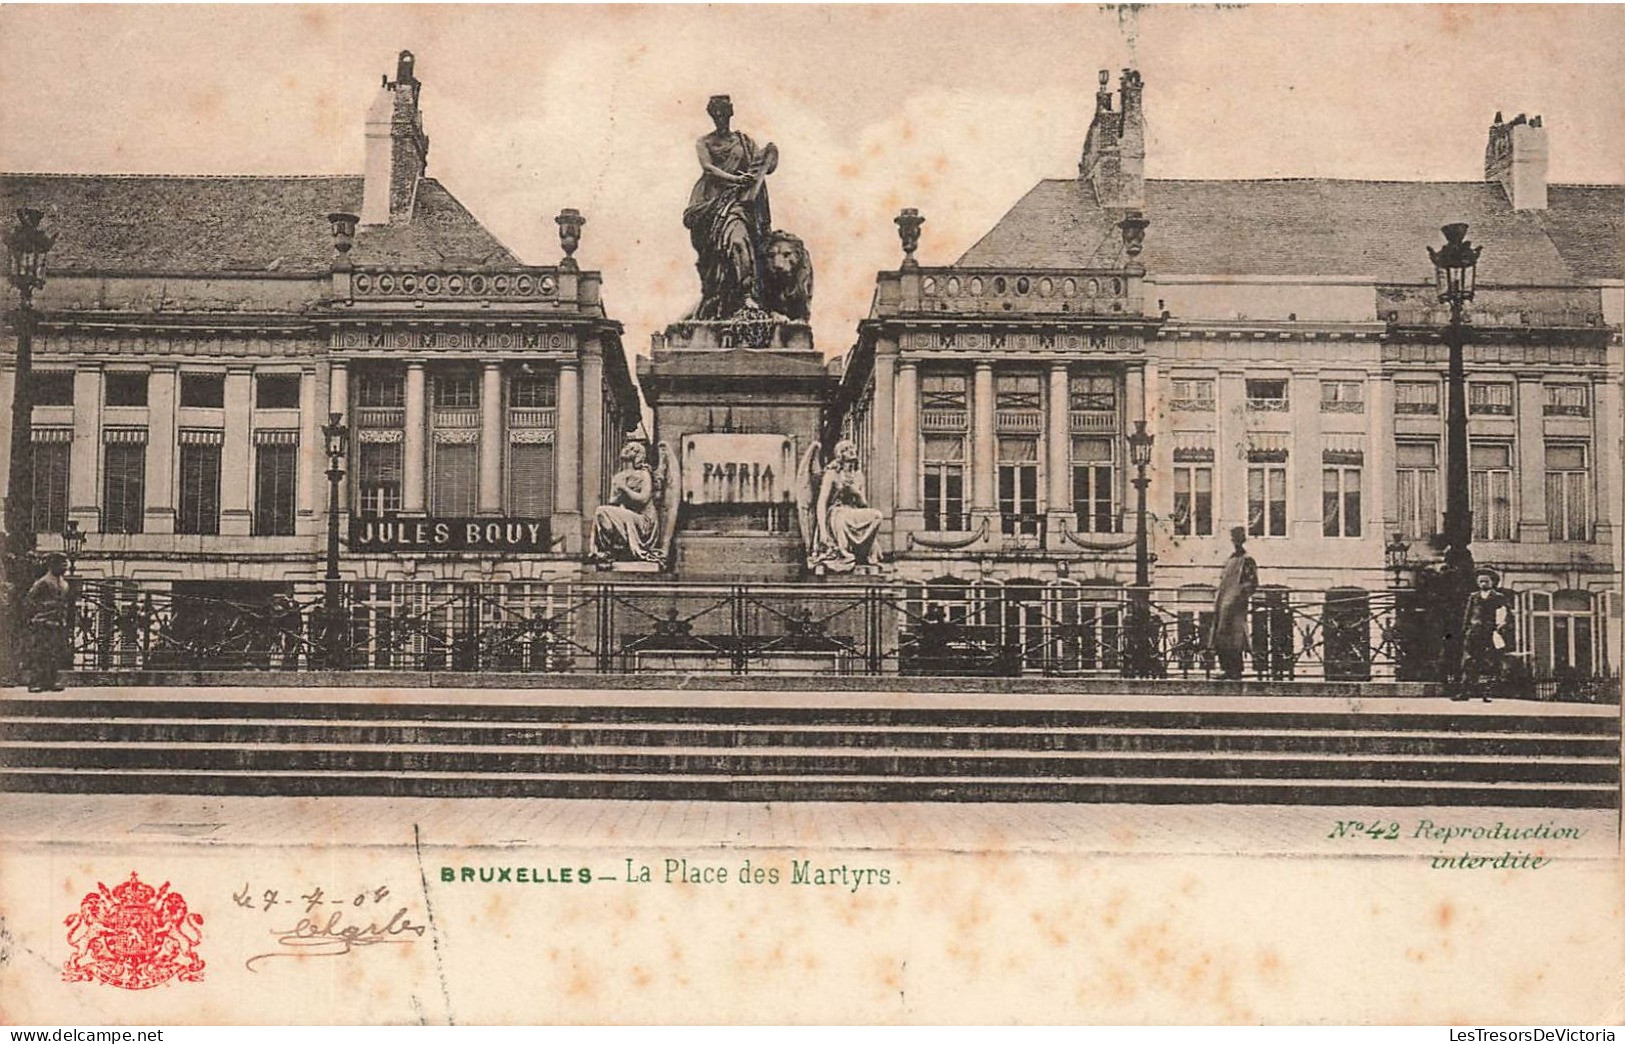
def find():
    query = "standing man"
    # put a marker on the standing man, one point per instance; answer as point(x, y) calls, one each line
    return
point(1230, 604)
point(48, 607)
point(1486, 628)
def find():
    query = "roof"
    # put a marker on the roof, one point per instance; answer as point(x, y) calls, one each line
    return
point(1376, 230)
point(240, 224)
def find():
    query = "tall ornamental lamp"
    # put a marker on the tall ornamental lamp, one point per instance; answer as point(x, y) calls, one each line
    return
point(337, 436)
point(1455, 265)
point(27, 245)
point(1141, 659)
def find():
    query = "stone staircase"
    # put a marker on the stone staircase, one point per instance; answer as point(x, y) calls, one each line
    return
point(844, 747)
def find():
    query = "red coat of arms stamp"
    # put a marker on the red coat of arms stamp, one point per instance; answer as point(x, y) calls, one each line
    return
point(134, 936)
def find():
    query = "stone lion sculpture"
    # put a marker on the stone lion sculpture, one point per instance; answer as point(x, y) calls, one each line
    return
point(787, 285)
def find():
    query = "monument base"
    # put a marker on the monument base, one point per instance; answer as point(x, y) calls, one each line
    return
point(722, 335)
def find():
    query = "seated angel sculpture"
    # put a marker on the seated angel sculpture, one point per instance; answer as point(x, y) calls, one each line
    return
point(627, 528)
point(845, 524)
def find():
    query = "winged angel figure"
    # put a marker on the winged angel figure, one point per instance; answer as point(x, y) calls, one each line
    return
point(837, 523)
point(638, 521)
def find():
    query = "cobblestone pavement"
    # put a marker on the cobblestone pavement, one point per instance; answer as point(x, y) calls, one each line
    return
point(1270, 830)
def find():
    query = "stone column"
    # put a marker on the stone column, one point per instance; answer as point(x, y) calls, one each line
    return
point(491, 440)
point(907, 420)
point(1381, 474)
point(1304, 462)
point(982, 447)
point(882, 470)
point(312, 453)
point(85, 455)
point(414, 495)
point(592, 423)
point(338, 390)
point(1604, 456)
point(567, 459)
point(162, 399)
point(1230, 451)
point(1530, 460)
point(236, 455)
point(1058, 451)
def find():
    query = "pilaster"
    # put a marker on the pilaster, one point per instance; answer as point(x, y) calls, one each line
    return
point(84, 498)
point(1531, 460)
point(236, 454)
point(491, 441)
point(415, 441)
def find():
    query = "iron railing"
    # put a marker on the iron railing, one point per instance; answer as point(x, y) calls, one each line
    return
point(942, 629)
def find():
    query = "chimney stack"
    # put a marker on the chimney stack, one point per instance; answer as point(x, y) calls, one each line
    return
point(1516, 158)
point(397, 149)
point(1113, 160)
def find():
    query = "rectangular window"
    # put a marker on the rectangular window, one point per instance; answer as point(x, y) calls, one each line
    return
point(456, 478)
point(1490, 483)
point(276, 470)
point(207, 390)
point(1094, 392)
point(380, 389)
point(1568, 484)
point(456, 391)
point(1266, 393)
point(1416, 398)
point(51, 485)
point(276, 391)
point(532, 391)
point(1342, 396)
point(52, 387)
point(942, 391)
point(1094, 501)
point(1192, 393)
point(378, 478)
point(198, 509)
point(1266, 499)
point(1018, 485)
point(1568, 400)
point(1417, 464)
point(1193, 499)
point(1340, 501)
point(1489, 397)
point(124, 487)
point(1018, 391)
point(530, 479)
point(126, 389)
point(945, 484)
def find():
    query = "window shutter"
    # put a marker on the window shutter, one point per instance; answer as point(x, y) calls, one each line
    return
point(530, 480)
point(456, 474)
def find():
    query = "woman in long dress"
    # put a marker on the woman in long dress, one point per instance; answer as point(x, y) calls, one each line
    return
point(846, 523)
point(626, 528)
point(728, 217)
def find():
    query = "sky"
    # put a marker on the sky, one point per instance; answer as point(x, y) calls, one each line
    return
point(955, 110)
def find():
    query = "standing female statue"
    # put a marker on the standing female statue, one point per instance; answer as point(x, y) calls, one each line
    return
point(727, 216)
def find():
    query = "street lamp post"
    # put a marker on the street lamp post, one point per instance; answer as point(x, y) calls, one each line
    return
point(1455, 266)
point(1141, 660)
point(26, 248)
point(337, 435)
point(73, 542)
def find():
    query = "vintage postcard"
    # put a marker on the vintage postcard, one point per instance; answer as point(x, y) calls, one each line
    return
point(462, 566)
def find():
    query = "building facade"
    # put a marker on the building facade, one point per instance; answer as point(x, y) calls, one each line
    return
point(196, 333)
point(1282, 342)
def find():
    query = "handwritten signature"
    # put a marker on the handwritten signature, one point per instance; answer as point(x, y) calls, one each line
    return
point(333, 937)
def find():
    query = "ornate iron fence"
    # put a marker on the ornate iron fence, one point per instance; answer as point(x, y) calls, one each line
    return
point(940, 629)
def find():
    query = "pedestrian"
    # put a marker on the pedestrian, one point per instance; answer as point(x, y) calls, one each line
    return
point(1231, 602)
point(1486, 628)
point(48, 608)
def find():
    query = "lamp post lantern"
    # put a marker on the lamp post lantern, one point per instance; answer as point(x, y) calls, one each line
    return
point(1396, 554)
point(73, 542)
point(1455, 266)
point(337, 435)
point(26, 248)
point(1141, 660)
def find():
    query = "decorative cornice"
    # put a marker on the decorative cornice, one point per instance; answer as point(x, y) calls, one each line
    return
point(948, 543)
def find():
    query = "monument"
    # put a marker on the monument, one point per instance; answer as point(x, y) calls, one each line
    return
point(737, 388)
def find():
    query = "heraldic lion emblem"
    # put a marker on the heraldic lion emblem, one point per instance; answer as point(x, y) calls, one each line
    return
point(134, 937)
point(787, 284)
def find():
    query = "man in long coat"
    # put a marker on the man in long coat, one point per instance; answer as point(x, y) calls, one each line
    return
point(1230, 605)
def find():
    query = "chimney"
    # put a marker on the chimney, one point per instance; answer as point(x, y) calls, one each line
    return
point(1516, 158)
point(397, 148)
point(1113, 160)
